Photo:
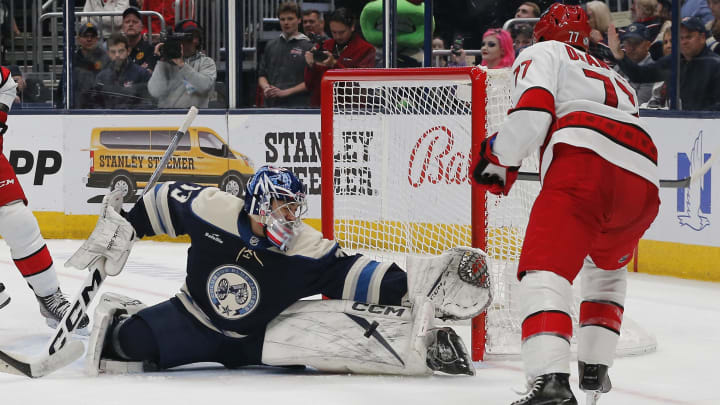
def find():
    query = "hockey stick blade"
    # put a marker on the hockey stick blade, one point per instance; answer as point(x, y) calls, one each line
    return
point(34, 368)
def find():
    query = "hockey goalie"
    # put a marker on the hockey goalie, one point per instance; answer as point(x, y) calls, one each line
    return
point(249, 265)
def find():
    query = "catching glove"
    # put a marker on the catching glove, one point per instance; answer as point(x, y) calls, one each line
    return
point(490, 174)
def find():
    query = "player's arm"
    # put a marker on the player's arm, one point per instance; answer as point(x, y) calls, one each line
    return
point(163, 209)
point(7, 96)
point(527, 123)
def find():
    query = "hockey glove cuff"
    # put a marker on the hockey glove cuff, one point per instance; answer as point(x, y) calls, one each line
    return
point(490, 174)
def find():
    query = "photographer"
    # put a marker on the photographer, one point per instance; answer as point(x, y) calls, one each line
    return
point(280, 75)
point(457, 53)
point(346, 50)
point(183, 76)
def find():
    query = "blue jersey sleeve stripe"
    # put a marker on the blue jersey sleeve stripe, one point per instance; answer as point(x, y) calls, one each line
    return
point(363, 282)
point(157, 210)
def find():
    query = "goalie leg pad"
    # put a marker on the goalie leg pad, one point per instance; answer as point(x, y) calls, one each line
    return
point(112, 309)
point(456, 282)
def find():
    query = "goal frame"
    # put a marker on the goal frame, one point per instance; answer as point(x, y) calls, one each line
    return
point(478, 77)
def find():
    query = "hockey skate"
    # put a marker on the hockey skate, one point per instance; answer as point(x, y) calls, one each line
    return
point(4, 296)
point(549, 389)
point(594, 380)
point(54, 306)
point(447, 353)
point(103, 355)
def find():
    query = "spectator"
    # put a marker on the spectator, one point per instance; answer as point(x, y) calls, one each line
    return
point(167, 9)
point(645, 12)
point(522, 37)
point(699, 67)
point(713, 26)
point(28, 90)
point(636, 43)
point(345, 50)
point(108, 24)
point(696, 8)
point(122, 83)
point(282, 67)
point(528, 10)
point(497, 49)
point(438, 44)
point(663, 13)
point(88, 61)
point(141, 52)
point(314, 25)
point(659, 99)
point(458, 58)
point(188, 80)
point(599, 18)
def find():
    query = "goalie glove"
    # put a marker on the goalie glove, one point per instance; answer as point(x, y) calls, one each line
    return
point(111, 239)
point(490, 174)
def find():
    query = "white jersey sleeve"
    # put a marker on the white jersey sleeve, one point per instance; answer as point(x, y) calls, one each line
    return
point(564, 95)
point(7, 87)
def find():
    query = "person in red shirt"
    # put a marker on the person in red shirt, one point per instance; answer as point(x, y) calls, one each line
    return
point(345, 50)
point(167, 9)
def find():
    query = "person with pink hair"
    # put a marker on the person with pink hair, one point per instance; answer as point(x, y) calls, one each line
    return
point(497, 49)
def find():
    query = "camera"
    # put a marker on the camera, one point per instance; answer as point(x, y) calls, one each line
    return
point(172, 44)
point(457, 46)
point(317, 49)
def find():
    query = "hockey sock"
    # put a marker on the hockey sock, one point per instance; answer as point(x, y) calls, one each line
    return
point(21, 232)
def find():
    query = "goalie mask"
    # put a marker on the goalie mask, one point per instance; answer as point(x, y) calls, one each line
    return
point(568, 24)
point(275, 193)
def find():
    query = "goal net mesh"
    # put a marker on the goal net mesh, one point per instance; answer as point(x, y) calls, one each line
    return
point(401, 159)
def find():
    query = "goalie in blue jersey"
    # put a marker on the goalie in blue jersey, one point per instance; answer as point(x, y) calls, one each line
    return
point(249, 265)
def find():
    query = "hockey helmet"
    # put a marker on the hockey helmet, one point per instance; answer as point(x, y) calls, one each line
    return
point(568, 24)
point(274, 183)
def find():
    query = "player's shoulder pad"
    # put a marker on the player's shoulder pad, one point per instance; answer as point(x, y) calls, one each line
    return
point(218, 208)
point(311, 243)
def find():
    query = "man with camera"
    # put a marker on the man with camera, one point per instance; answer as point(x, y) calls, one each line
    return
point(346, 50)
point(183, 76)
point(282, 67)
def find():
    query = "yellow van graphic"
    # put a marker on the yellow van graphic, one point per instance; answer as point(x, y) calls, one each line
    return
point(124, 158)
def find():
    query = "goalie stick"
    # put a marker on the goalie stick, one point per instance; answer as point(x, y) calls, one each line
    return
point(679, 183)
point(59, 352)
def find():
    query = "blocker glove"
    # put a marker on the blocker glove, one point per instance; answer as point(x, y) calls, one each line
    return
point(490, 174)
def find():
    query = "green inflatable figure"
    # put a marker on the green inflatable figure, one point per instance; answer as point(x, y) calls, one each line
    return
point(410, 29)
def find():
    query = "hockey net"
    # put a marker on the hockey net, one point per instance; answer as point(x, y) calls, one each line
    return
point(397, 150)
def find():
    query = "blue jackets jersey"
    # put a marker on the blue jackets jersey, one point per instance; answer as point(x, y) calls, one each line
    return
point(236, 281)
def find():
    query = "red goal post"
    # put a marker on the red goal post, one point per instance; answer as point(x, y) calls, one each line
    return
point(397, 149)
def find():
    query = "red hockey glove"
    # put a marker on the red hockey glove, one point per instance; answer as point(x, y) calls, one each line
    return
point(3, 119)
point(490, 174)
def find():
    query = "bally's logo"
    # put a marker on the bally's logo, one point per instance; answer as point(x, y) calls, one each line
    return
point(693, 203)
point(233, 292)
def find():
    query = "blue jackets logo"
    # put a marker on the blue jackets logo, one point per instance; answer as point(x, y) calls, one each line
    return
point(693, 203)
point(233, 292)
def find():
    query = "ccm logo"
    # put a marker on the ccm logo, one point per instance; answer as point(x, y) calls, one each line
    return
point(378, 309)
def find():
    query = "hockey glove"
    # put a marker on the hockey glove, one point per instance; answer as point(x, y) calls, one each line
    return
point(280, 232)
point(490, 174)
point(112, 239)
point(3, 120)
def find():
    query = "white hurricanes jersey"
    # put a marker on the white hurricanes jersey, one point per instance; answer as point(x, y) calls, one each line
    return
point(562, 94)
point(7, 87)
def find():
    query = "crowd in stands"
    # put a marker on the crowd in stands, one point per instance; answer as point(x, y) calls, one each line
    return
point(119, 60)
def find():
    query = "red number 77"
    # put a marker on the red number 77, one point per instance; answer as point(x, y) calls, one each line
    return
point(517, 69)
point(611, 97)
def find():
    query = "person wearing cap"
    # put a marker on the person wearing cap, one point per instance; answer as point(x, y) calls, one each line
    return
point(141, 52)
point(713, 27)
point(185, 81)
point(108, 24)
point(699, 67)
point(636, 43)
point(88, 60)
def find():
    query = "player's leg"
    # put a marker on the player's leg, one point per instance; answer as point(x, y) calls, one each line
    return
point(563, 223)
point(635, 204)
point(347, 336)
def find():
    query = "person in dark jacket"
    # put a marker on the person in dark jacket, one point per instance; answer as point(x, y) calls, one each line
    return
point(699, 67)
point(122, 84)
point(346, 50)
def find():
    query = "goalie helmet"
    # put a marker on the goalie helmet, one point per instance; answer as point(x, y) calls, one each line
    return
point(568, 24)
point(270, 184)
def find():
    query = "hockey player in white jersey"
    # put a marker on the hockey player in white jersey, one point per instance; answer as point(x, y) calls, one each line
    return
point(248, 265)
point(599, 194)
point(20, 229)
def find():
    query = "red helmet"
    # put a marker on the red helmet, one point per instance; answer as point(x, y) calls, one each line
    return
point(568, 24)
